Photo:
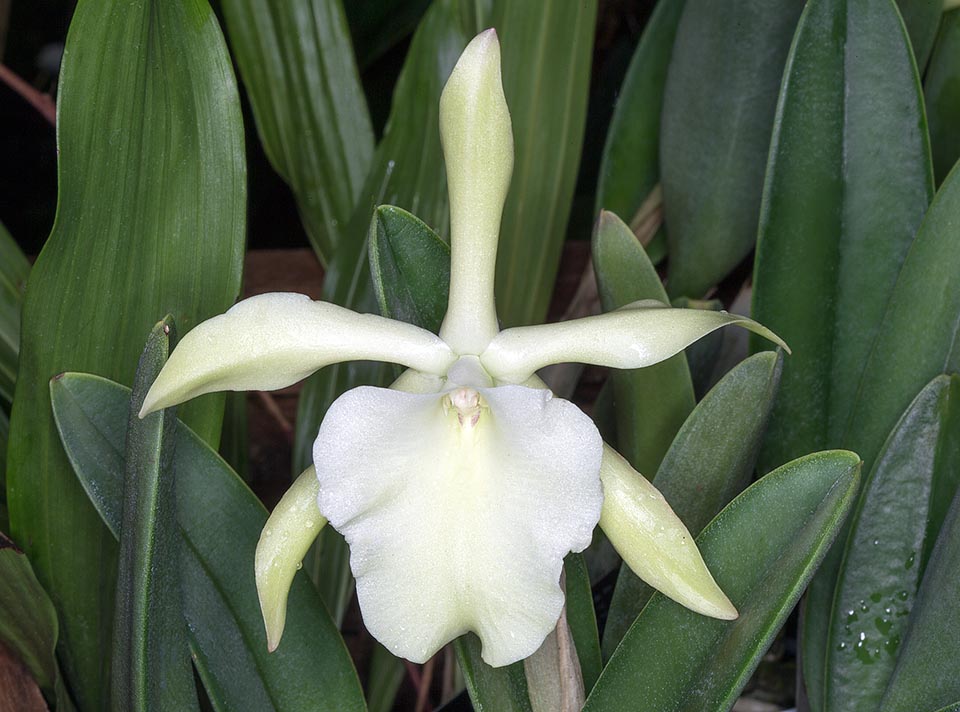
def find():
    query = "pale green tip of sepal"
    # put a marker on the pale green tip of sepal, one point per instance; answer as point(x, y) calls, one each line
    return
point(653, 541)
point(291, 529)
point(477, 137)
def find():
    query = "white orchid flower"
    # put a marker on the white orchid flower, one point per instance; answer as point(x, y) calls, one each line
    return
point(461, 488)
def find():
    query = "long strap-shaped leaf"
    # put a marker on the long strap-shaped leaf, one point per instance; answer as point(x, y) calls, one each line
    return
point(297, 63)
point(151, 662)
point(13, 279)
point(673, 659)
point(941, 90)
point(150, 221)
point(718, 109)
point(220, 522)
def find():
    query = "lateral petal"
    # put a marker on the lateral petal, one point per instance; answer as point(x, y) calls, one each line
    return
point(274, 340)
point(640, 334)
point(459, 526)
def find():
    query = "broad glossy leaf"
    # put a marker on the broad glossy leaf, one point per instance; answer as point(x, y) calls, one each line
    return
point(926, 672)
point(297, 63)
point(220, 521)
point(651, 403)
point(922, 18)
point(941, 89)
point(883, 556)
point(710, 461)
point(673, 659)
point(630, 166)
point(848, 184)
point(502, 689)
point(718, 108)
point(14, 269)
point(407, 171)
point(28, 623)
point(546, 53)
point(151, 662)
point(410, 265)
point(150, 221)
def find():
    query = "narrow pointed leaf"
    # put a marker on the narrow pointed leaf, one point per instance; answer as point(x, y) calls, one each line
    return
point(220, 523)
point(848, 184)
point(150, 220)
point(718, 109)
point(491, 689)
point(630, 166)
point(386, 674)
point(582, 618)
point(547, 52)
point(28, 623)
point(884, 553)
point(653, 402)
point(410, 265)
point(710, 461)
point(151, 662)
point(941, 90)
point(925, 676)
point(673, 659)
point(14, 269)
point(297, 64)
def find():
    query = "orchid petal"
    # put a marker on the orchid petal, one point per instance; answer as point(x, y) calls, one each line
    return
point(274, 340)
point(292, 527)
point(638, 335)
point(477, 139)
point(653, 541)
point(457, 519)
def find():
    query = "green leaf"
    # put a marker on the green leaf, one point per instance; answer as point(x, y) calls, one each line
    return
point(630, 166)
point(926, 672)
point(407, 171)
point(674, 659)
point(582, 619)
point(14, 269)
point(922, 18)
point(151, 663)
point(883, 557)
point(378, 25)
point(546, 54)
point(410, 265)
point(718, 108)
point(297, 63)
point(941, 89)
point(502, 689)
point(848, 183)
point(651, 403)
point(220, 521)
point(234, 442)
point(150, 221)
point(28, 623)
point(710, 461)
point(386, 674)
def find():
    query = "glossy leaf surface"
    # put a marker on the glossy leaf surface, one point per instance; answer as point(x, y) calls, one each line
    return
point(630, 166)
point(150, 221)
point(941, 89)
point(151, 662)
point(848, 184)
point(710, 461)
point(297, 64)
point(925, 676)
point(410, 265)
point(220, 522)
point(673, 659)
point(718, 109)
point(14, 269)
point(28, 623)
point(884, 551)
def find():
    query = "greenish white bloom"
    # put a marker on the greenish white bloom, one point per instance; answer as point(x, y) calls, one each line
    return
point(461, 488)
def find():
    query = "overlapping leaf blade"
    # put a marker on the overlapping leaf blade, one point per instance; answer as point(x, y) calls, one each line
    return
point(941, 89)
point(220, 522)
point(673, 659)
point(719, 103)
point(710, 461)
point(150, 220)
point(297, 63)
point(922, 18)
point(13, 280)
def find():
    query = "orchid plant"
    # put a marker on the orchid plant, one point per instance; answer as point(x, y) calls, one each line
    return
point(467, 470)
